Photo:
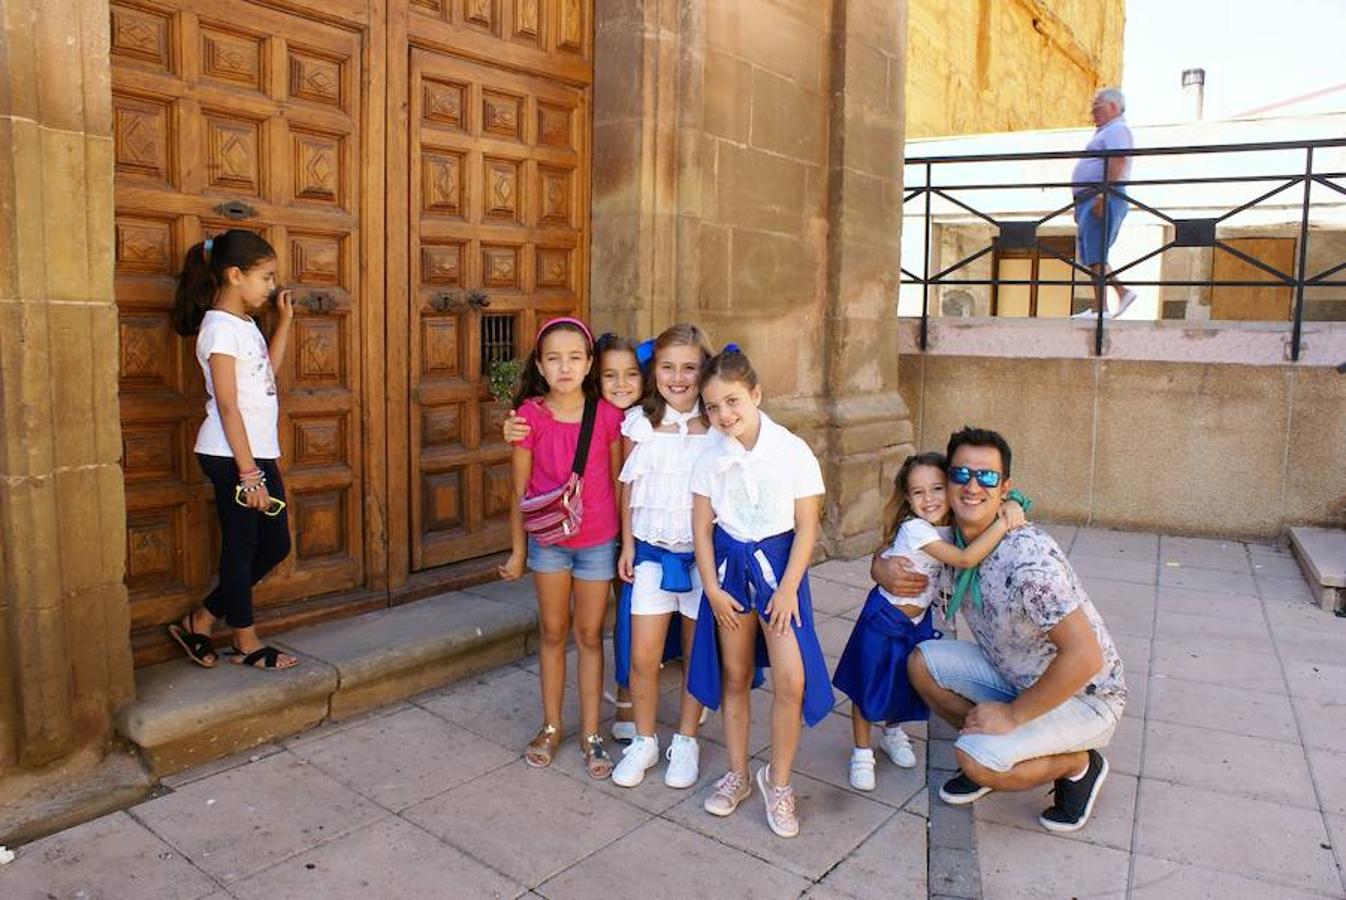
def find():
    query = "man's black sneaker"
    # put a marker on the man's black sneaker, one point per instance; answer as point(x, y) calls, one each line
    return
point(1074, 800)
point(961, 790)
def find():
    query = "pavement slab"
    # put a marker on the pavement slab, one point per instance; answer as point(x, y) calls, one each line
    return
point(1214, 706)
point(1016, 862)
point(1229, 763)
point(238, 822)
point(1265, 841)
point(661, 859)
point(391, 858)
point(889, 865)
point(529, 824)
point(113, 856)
point(1162, 879)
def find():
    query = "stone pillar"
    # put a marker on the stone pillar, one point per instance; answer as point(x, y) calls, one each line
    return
point(747, 177)
point(65, 663)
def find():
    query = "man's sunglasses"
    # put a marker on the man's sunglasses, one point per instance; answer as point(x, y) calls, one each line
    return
point(987, 478)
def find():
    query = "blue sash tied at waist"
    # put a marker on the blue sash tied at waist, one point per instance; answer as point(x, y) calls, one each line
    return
point(676, 578)
point(747, 582)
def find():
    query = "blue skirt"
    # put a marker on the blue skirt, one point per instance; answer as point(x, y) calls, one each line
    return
point(873, 667)
point(675, 565)
point(741, 568)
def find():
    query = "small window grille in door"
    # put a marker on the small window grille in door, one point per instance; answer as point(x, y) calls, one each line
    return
point(497, 340)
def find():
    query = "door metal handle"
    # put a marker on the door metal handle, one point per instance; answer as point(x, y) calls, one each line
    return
point(478, 298)
point(235, 210)
point(446, 300)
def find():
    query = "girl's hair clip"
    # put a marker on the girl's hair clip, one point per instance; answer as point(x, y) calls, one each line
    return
point(731, 347)
point(645, 352)
point(206, 246)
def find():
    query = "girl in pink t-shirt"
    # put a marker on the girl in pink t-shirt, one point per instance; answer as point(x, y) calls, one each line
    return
point(558, 379)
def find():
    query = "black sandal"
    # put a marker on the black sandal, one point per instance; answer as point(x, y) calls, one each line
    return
point(199, 648)
point(268, 656)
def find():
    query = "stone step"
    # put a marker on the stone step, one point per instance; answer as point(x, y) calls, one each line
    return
point(1322, 557)
point(185, 715)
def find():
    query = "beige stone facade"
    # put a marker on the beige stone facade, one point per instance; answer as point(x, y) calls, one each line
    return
point(66, 664)
point(747, 177)
point(746, 164)
point(1008, 65)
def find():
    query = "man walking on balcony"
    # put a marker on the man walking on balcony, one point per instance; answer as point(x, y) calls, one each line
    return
point(1099, 218)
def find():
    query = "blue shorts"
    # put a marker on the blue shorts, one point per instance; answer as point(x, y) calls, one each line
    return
point(1083, 722)
point(1089, 227)
point(596, 563)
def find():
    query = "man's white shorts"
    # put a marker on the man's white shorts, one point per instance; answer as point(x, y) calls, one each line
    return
point(648, 599)
point(1080, 723)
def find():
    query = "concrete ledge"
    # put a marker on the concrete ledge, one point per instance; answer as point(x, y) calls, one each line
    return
point(394, 653)
point(1322, 557)
point(185, 715)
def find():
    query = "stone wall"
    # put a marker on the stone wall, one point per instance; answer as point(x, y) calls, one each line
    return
point(65, 663)
point(1008, 65)
point(1190, 445)
point(747, 177)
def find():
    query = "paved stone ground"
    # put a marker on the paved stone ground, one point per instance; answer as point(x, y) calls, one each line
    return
point(1229, 781)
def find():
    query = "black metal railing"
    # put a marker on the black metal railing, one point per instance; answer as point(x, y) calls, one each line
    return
point(1020, 233)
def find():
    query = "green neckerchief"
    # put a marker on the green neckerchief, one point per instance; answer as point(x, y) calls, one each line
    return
point(967, 578)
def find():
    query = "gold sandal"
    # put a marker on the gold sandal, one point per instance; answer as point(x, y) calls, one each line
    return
point(540, 751)
point(597, 762)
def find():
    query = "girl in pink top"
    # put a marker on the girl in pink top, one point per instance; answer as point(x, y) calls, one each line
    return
point(557, 380)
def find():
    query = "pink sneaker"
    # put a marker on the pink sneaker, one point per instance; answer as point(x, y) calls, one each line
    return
point(780, 805)
point(731, 790)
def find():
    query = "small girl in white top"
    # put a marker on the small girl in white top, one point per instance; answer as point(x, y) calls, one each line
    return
point(757, 498)
point(872, 670)
point(664, 435)
point(224, 281)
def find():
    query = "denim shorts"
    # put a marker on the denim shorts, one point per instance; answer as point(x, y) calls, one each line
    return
point(596, 563)
point(1081, 723)
point(1089, 227)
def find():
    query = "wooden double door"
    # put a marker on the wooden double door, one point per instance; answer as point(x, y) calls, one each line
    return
point(423, 177)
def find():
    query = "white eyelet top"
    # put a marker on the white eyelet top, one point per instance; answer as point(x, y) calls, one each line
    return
point(659, 471)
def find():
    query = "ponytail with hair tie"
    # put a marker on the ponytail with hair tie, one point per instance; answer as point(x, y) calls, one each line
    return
point(203, 273)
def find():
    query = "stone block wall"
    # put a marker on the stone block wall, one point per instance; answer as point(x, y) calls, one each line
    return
point(1008, 65)
point(748, 178)
point(65, 663)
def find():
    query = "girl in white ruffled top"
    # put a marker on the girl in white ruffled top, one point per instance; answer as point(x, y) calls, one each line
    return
point(664, 435)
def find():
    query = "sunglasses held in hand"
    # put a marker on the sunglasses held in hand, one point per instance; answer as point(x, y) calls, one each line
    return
point(987, 478)
point(273, 508)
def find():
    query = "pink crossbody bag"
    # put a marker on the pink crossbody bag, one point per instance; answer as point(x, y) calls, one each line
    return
point(555, 516)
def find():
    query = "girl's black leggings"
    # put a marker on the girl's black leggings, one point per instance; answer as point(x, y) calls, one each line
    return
point(251, 543)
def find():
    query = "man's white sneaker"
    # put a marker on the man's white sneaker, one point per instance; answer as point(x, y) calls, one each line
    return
point(862, 769)
point(684, 762)
point(897, 745)
point(639, 757)
point(1128, 297)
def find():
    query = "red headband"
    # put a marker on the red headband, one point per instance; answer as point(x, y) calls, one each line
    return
point(565, 320)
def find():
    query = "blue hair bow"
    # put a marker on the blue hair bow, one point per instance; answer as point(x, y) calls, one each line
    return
point(645, 353)
point(731, 347)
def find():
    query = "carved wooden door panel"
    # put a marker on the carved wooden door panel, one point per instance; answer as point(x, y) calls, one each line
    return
point(499, 217)
point(231, 114)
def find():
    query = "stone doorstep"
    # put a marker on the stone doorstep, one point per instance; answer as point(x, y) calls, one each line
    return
point(1322, 557)
point(185, 715)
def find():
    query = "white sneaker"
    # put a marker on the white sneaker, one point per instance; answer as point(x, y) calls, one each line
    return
point(1128, 297)
point(623, 732)
point(684, 762)
point(1091, 314)
point(897, 745)
point(640, 756)
point(862, 769)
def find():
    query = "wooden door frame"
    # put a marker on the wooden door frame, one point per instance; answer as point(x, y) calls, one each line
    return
point(401, 584)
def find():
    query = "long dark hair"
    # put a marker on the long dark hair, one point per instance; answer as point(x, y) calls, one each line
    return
point(203, 273)
point(683, 335)
point(898, 509)
point(533, 384)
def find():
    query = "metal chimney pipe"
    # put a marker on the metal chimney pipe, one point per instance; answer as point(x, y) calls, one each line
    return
point(1194, 89)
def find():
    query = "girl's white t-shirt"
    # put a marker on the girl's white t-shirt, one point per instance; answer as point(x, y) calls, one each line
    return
point(914, 534)
point(230, 335)
point(753, 492)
